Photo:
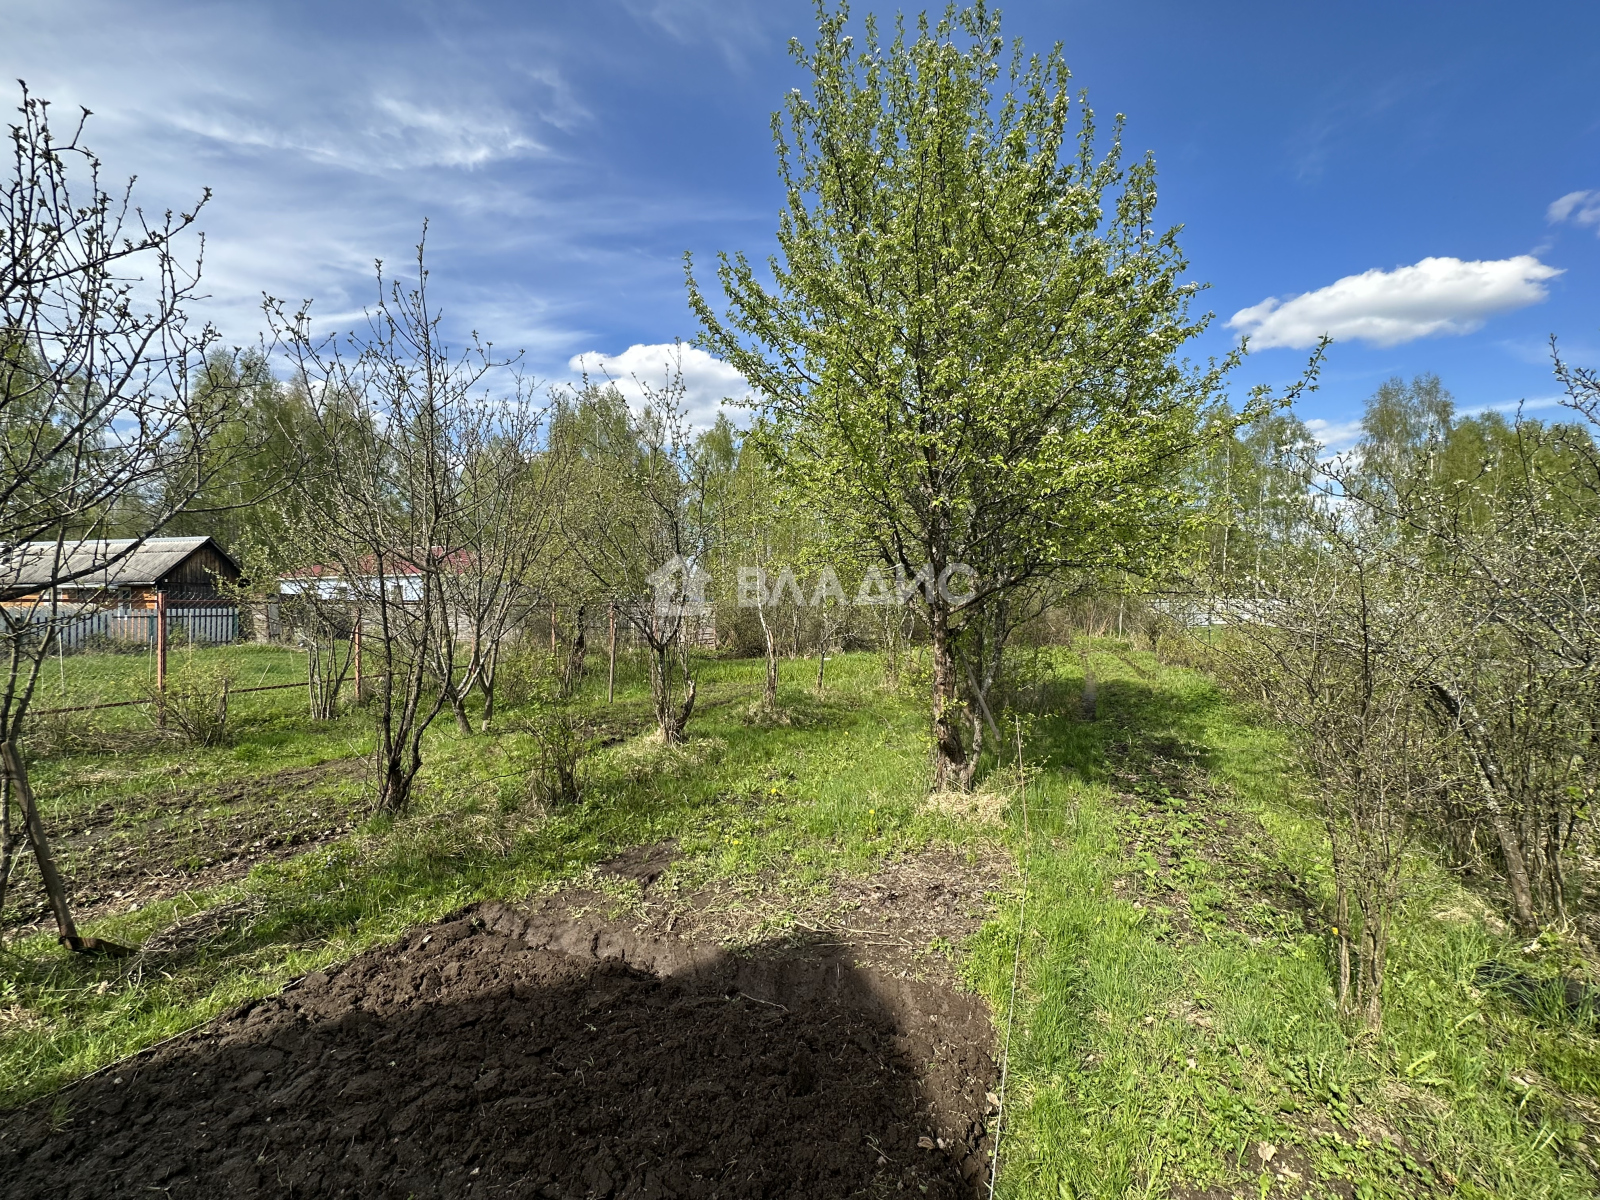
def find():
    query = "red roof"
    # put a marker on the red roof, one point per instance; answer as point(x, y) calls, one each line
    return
point(393, 567)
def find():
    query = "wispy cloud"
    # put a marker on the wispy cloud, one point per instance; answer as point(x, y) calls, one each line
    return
point(1437, 296)
point(1580, 208)
point(734, 27)
point(707, 381)
point(1512, 406)
point(328, 137)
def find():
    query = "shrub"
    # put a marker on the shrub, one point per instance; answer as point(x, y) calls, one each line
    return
point(194, 708)
point(562, 742)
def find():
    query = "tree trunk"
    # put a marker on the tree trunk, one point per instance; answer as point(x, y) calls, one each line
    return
point(458, 706)
point(491, 661)
point(950, 756)
point(1492, 787)
point(55, 890)
point(611, 656)
point(8, 838)
point(1341, 918)
point(1523, 914)
point(396, 789)
point(1374, 949)
point(572, 674)
point(769, 691)
point(672, 719)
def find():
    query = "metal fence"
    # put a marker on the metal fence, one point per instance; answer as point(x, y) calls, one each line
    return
point(212, 626)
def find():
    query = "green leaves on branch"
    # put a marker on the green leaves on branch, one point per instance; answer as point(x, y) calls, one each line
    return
point(968, 348)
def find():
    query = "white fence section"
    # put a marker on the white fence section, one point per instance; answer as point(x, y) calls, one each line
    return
point(213, 626)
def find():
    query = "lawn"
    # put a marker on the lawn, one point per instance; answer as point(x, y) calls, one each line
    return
point(1172, 1032)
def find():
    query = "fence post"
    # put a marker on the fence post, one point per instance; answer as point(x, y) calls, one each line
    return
point(161, 658)
point(611, 658)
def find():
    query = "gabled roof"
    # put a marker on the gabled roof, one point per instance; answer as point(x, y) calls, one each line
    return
point(95, 563)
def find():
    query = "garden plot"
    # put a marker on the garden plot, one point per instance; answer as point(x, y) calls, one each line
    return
point(528, 1052)
point(120, 856)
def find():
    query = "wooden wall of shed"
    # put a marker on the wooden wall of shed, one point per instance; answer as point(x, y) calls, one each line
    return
point(200, 570)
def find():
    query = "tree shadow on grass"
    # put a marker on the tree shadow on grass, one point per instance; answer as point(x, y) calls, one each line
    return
point(486, 1056)
point(1133, 720)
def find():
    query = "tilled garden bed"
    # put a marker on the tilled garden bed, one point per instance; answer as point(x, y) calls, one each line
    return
point(525, 1052)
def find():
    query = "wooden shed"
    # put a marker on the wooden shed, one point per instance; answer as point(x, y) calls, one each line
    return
point(120, 571)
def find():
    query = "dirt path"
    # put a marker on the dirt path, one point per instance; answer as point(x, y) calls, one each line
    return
point(525, 1052)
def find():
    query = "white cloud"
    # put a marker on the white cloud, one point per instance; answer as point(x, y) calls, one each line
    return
point(1335, 437)
point(326, 152)
point(1437, 296)
point(380, 132)
point(1581, 208)
point(707, 381)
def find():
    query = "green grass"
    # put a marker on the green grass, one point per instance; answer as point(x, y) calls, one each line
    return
point(1174, 1005)
point(1156, 1049)
point(838, 786)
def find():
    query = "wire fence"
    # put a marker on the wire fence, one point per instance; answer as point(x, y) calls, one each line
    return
point(231, 691)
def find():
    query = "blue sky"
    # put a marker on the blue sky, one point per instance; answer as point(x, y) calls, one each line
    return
point(1424, 178)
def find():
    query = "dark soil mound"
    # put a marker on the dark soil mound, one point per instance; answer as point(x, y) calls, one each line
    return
point(502, 1053)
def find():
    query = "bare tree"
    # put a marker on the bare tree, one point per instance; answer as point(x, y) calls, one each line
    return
point(399, 416)
point(1473, 544)
point(1514, 564)
point(636, 516)
point(103, 431)
point(502, 538)
point(322, 622)
point(1335, 647)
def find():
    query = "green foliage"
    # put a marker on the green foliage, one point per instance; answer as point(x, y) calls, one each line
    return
point(562, 740)
point(1176, 1010)
point(969, 353)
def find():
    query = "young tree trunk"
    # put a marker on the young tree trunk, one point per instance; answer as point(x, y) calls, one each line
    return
point(671, 718)
point(769, 690)
point(458, 707)
point(452, 693)
point(491, 661)
point(1492, 789)
point(822, 657)
point(395, 791)
point(949, 755)
point(891, 647)
point(769, 687)
point(1523, 912)
point(17, 777)
point(572, 673)
point(611, 655)
point(8, 837)
point(1374, 949)
point(1341, 918)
